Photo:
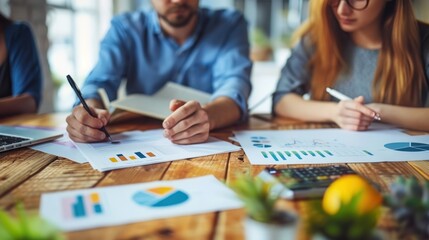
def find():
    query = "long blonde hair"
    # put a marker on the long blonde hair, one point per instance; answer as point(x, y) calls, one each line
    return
point(399, 77)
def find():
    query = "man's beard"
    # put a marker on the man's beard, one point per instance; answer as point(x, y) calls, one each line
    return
point(179, 20)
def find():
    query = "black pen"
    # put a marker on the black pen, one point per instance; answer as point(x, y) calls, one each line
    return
point(79, 95)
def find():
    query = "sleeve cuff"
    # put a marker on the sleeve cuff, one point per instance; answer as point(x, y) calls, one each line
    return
point(240, 100)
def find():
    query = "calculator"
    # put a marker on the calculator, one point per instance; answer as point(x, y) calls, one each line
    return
point(305, 182)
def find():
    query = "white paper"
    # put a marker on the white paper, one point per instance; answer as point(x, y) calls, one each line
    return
point(108, 206)
point(138, 148)
point(331, 146)
point(62, 147)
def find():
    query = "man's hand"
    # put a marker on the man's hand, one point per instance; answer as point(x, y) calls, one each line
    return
point(189, 123)
point(82, 127)
point(354, 115)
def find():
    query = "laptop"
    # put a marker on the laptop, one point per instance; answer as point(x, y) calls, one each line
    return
point(12, 137)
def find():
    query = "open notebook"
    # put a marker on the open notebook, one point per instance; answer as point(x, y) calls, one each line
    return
point(156, 105)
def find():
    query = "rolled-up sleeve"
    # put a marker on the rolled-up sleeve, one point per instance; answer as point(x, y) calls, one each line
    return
point(295, 76)
point(111, 66)
point(232, 68)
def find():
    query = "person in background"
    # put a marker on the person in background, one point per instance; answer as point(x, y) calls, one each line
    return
point(376, 52)
point(179, 42)
point(20, 71)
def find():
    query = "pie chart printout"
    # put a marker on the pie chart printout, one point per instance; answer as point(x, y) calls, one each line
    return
point(408, 146)
point(160, 197)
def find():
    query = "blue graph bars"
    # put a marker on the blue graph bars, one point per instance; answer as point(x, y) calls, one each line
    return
point(82, 206)
point(273, 154)
point(300, 154)
point(79, 207)
point(140, 155)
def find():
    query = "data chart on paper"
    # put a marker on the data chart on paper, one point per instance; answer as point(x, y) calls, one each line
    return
point(331, 146)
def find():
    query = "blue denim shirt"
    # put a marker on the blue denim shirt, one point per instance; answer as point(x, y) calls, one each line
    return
point(214, 59)
point(23, 61)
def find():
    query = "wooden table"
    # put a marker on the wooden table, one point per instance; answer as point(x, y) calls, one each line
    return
point(25, 174)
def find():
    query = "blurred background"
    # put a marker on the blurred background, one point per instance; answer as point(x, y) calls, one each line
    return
point(68, 33)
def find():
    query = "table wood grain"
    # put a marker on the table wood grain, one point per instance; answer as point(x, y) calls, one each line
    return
point(25, 174)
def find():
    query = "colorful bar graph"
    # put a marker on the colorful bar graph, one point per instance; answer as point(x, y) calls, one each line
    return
point(79, 207)
point(273, 154)
point(140, 155)
point(122, 157)
point(150, 154)
point(95, 200)
point(297, 155)
point(82, 206)
point(294, 154)
point(281, 155)
point(320, 153)
point(329, 153)
point(137, 156)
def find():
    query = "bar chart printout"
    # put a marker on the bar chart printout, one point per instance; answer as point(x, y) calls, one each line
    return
point(138, 155)
point(122, 204)
point(138, 148)
point(317, 146)
point(306, 154)
point(82, 206)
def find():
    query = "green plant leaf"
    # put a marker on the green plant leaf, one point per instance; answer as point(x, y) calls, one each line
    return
point(26, 226)
point(257, 196)
point(8, 225)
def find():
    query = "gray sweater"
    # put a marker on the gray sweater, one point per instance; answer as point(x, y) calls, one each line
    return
point(356, 81)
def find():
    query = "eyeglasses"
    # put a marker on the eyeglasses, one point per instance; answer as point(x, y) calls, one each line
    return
point(355, 4)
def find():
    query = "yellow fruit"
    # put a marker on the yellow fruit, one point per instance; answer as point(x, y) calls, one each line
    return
point(344, 188)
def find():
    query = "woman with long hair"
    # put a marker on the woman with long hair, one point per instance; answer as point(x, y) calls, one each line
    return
point(20, 72)
point(374, 51)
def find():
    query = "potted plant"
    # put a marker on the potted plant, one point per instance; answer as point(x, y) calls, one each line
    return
point(409, 202)
point(29, 227)
point(349, 210)
point(264, 220)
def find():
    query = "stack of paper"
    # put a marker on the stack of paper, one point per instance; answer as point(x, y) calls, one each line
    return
point(138, 148)
point(62, 147)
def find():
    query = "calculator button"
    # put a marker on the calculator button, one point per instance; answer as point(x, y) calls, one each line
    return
point(322, 177)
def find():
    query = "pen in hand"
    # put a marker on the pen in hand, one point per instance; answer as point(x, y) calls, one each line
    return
point(82, 100)
point(334, 93)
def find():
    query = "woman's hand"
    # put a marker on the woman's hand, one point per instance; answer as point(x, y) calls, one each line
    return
point(354, 115)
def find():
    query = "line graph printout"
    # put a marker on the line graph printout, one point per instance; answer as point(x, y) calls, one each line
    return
point(138, 148)
point(313, 146)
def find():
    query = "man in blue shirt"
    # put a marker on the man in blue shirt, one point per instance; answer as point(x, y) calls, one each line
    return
point(178, 42)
